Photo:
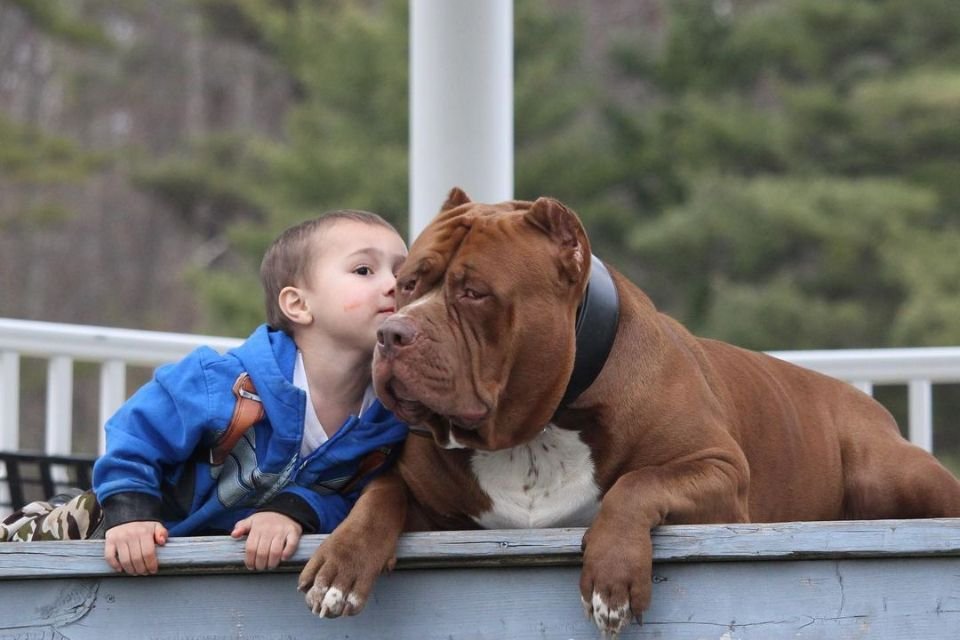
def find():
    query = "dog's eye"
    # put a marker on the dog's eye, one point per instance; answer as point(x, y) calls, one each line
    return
point(473, 294)
point(407, 286)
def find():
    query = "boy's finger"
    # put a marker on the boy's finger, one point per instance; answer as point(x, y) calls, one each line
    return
point(137, 553)
point(290, 544)
point(276, 551)
point(250, 552)
point(150, 562)
point(241, 529)
point(110, 555)
point(160, 534)
point(123, 558)
point(263, 553)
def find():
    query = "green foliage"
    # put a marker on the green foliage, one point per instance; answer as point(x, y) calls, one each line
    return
point(793, 247)
point(59, 19)
point(29, 158)
point(208, 186)
point(795, 175)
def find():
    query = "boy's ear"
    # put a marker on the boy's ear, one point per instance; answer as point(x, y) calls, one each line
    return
point(294, 306)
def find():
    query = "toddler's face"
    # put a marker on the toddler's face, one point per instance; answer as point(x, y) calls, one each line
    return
point(350, 287)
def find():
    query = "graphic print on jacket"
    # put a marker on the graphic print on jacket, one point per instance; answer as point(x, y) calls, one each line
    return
point(240, 482)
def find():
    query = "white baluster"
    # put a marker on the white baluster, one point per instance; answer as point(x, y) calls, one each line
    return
point(864, 385)
point(921, 413)
point(59, 430)
point(9, 414)
point(113, 392)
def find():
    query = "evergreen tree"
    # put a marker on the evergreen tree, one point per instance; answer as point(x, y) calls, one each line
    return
point(793, 181)
point(31, 159)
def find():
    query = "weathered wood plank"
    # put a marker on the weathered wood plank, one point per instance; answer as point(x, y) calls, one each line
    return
point(913, 598)
point(693, 543)
point(880, 580)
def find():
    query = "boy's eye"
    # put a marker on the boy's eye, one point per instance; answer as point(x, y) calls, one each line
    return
point(363, 270)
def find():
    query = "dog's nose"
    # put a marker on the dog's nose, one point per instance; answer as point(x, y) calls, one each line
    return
point(395, 333)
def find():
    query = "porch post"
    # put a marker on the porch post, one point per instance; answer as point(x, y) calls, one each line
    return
point(461, 103)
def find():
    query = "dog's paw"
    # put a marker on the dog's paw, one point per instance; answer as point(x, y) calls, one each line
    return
point(330, 602)
point(610, 618)
point(339, 578)
point(615, 584)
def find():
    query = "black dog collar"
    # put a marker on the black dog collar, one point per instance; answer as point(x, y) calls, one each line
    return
point(596, 327)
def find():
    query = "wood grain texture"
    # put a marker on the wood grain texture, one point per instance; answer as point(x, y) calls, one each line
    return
point(883, 579)
point(688, 543)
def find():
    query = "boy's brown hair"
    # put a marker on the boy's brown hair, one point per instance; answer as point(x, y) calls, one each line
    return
point(289, 257)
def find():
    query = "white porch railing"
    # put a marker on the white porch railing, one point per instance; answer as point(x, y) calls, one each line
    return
point(61, 345)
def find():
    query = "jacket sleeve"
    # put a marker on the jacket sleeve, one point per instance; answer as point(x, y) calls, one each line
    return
point(152, 434)
point(316, 513)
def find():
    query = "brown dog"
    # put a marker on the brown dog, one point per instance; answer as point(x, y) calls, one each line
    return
point(557, 395)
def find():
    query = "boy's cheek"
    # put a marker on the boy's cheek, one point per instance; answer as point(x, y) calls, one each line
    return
point(350, 306)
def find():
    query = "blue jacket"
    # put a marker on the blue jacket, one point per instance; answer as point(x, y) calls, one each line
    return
point(157, 464)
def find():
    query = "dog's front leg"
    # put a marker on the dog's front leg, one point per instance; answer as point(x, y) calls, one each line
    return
point(339, 576)
point(710, 486)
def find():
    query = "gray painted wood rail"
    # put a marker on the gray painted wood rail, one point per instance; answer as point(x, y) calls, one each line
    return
point(881, 579)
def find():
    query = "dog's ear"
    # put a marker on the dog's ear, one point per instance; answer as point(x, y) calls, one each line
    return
point(438, 242)
point(455, 198)
point(563, 227)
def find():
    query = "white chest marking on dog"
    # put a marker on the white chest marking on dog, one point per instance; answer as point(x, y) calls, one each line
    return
point(547, 482)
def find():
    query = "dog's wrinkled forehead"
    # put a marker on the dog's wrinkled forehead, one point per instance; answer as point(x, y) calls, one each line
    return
point(435, 248)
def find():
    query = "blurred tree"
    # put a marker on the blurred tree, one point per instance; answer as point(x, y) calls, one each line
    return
point(344, 143)
point(30, 158)
point(346, 137)
point(65, 22)
point(794, 178)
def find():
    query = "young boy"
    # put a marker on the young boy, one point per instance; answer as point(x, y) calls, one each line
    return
point(173, 464)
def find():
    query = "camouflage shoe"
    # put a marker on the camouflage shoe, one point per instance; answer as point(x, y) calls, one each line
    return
point(61, 518)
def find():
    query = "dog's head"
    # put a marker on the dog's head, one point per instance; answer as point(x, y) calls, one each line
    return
point(482, 345)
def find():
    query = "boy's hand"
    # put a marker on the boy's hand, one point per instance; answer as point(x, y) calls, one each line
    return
point(271, 537)
point(130, 547)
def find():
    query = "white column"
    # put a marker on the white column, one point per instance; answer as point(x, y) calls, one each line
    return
point(920, 405)
point(461, 103)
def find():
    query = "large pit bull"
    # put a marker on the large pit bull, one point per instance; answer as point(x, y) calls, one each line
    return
point(557, 395)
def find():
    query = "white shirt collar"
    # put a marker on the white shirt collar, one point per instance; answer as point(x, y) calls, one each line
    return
point(313, 433)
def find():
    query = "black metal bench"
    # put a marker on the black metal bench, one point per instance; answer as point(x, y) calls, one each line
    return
point(31, 476)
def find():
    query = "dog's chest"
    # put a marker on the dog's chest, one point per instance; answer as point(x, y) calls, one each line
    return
point(547, 482)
